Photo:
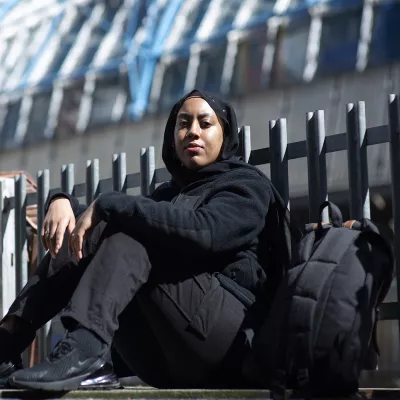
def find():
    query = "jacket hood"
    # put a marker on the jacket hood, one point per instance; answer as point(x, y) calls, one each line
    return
point(229, 147)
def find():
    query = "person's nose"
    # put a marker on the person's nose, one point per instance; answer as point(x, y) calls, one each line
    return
point(194, 131)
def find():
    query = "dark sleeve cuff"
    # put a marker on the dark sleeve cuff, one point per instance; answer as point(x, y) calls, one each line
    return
point(105, 204)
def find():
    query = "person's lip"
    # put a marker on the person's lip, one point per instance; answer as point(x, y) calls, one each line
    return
point(193, 146)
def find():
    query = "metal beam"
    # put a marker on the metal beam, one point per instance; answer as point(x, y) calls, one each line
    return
point(132, 23)
point(210, 20)
point(151, 28)
point(54, 110)
point(149, 56)
point(7, 7)
point(367, 21)
point(192, 68)
point(85, 108)
point(72, 62)
point(103, 24)
point(229, 63)
point(131, 28)
point(313, 47)
point(36, 58)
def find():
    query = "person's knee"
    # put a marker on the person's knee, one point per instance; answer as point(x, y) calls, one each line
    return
point(121, 237)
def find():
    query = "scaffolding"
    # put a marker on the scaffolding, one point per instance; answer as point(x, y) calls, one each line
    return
point(66, 66)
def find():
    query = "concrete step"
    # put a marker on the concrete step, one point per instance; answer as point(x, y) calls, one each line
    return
point(151, 393)
point(376, 385)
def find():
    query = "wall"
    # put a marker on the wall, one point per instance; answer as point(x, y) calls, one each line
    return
point(256, 110)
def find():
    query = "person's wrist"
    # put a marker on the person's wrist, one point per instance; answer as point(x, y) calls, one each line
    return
point(58, 198)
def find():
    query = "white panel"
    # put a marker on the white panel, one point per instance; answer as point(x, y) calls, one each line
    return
point(7, 272)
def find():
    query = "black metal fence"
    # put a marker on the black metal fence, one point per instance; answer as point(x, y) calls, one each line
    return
point(314, 148)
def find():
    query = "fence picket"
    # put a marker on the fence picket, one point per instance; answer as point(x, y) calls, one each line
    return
point(92, 180)
point(43, 190)
point(147, 170)
point(67, 178)
point(119, 172)
point(279, 157)
point(316, 164)
point(2, 231)
point(394, 130)
point(21, 258)
point(21, 243)
point(357, 161)
point(245, 142)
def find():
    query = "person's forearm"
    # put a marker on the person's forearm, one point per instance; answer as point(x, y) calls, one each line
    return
point(230, 220)
point(77, 208)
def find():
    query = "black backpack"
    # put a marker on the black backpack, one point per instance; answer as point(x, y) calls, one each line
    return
point(320, 324)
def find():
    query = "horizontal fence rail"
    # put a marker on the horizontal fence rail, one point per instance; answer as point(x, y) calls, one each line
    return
point(355, 141)
point(294, 150)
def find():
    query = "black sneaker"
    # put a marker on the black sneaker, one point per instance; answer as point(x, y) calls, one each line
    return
point(11, 346)
point(7, 368)
point(104, 378)
point(65, 369)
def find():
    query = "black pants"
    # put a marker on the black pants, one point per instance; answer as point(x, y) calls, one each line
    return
point(173, 330)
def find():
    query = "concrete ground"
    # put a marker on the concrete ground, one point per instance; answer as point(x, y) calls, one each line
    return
point(150, 393)
point(375, 385)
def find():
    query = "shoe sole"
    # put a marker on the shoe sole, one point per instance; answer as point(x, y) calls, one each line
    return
point(55, 386)
point(80, 388)
point(100, 387)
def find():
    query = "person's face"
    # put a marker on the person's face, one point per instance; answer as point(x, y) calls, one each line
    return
point(198, 134)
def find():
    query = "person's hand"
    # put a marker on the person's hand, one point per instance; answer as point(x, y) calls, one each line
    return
point(59, 217)
point(85, 223)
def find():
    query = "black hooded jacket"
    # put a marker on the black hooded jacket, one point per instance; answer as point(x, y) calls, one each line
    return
point(223, 218)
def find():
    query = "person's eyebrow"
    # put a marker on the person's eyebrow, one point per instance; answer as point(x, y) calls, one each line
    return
point(205, 115)
point(187, 115)
point(184, 115)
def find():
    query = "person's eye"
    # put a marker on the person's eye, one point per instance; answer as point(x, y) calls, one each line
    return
point(205, 124)
point(182, 124)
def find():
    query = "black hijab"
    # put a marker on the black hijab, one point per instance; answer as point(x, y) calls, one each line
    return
point(227, 159)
